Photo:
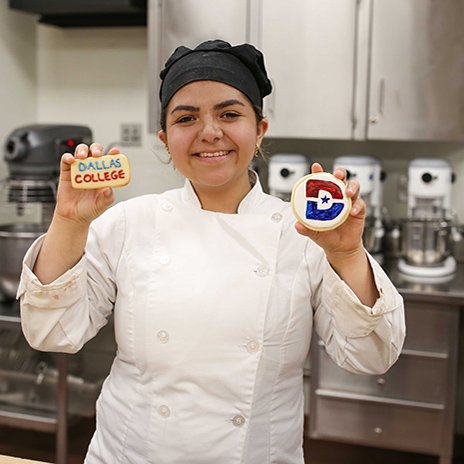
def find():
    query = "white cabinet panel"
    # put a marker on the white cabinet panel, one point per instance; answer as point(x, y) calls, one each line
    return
point(416, 85)
point(309, 47)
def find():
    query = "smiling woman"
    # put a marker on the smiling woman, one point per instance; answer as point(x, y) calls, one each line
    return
point(214, 288)
point(212, 135)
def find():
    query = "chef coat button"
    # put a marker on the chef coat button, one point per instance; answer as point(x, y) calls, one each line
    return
point(262, 271)
point(165, 259)
point(252, 346)
point(238, 420)
point(164, 411)
point(167, 206)
point(276, 217)
point(163, 336)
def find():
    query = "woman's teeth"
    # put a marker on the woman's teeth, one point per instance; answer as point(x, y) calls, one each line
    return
point(212, 155)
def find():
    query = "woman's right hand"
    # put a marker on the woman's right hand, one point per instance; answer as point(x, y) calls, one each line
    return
point(81, 206)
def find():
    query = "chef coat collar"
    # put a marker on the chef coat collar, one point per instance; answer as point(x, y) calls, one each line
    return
point(245, 206)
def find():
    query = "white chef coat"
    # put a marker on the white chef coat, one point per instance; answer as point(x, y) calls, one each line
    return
point(213, 320)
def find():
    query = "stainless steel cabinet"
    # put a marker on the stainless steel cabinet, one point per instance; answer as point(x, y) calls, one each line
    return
point(416, 85)
point(309, 48)
point(411, 407)
point(189, 22)
point(341, 69)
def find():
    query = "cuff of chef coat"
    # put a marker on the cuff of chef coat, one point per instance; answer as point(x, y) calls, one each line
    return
point(352, 318)
point(62, 292)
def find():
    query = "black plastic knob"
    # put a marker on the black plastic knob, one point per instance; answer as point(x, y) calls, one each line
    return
point(16, 147)
point(285, 172)
point(427, 177)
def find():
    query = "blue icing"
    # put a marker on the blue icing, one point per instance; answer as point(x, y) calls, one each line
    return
point(312, 212)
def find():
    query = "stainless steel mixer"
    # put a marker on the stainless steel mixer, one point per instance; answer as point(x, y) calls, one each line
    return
point(285, 169)
point(28, 194)
point(429, 231)
point(368, 172)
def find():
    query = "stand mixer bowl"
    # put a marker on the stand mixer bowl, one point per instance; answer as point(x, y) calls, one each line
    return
point(425, 242)
point(15, 239)
point(372, 238)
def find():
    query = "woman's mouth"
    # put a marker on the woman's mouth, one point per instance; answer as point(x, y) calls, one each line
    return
point(216, 154)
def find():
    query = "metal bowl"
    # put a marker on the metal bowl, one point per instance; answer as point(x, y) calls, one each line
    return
point(15, 239)
point(372, 235)
point(425, 241)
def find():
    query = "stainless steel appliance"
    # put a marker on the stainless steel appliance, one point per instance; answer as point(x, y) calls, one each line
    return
point(27, 195)
point(368, 172)
point(285, 169)
point(428, 233)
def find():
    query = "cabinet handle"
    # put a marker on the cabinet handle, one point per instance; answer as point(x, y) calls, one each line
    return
point(381, 96)
point(381, 105)
point(378, 431)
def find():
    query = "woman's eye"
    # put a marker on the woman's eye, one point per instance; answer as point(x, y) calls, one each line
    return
point(230, 115)
point(184, 119)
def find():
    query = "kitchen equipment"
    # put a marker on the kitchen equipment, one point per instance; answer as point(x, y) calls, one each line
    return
point(28, 194)
point(368, 172)
point(428, 233)
point(285, 169)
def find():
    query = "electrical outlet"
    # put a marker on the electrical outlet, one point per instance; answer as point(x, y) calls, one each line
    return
point(131, 134)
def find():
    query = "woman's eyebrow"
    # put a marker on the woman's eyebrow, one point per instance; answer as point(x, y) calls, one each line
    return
point(193, 109)
point(226, 103)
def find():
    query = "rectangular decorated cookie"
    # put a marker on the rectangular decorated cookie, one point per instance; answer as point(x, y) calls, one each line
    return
point(105, 171)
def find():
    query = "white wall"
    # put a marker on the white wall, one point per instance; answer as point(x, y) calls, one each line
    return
point(18, 73)
point(98, 77)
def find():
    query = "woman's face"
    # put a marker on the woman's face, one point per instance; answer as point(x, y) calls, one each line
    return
point(212, 133)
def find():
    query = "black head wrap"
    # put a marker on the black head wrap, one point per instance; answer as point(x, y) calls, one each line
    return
point(241, 66)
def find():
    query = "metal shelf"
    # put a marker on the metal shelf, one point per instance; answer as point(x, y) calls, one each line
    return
point(58, 422)
point(10, 314)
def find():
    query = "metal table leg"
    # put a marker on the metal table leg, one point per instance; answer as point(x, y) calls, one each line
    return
point(62, 409)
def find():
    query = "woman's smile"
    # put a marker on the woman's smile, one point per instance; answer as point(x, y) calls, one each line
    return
point(215, 154)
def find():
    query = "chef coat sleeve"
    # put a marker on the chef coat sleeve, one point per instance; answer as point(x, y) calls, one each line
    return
point(64, 314)
point(358, 338)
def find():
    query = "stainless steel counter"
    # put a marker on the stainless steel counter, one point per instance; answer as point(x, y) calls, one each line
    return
point(445, 290)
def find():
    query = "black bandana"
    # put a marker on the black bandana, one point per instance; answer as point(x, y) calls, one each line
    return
point(241, 66)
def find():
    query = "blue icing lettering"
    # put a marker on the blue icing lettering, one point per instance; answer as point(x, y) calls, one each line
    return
point(115, 163)
point(82, 166)
point(312, 212)
point(90, 165)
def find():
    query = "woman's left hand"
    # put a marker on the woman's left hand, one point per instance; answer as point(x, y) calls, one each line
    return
point(346, 239)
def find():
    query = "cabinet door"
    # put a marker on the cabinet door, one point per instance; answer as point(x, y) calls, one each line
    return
point(416, 85)
point(309, 47)
point(189, 22)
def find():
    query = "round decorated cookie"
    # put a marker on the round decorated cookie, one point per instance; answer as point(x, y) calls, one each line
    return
point(319, 201)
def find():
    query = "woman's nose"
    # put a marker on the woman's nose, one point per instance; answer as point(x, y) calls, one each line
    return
point(210, 131)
